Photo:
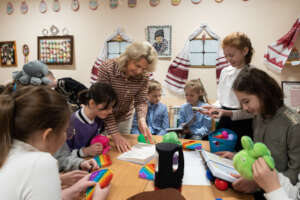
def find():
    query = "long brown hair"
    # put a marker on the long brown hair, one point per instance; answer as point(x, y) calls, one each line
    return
point(197, 86)
point(27, 110)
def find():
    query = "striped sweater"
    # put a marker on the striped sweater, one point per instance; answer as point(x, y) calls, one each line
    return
point(131, 92)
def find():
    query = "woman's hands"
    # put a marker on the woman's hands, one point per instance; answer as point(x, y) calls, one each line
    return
point(143, 127)
point(244, 185)
point(121, 143)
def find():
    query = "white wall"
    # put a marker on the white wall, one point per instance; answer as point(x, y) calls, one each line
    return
point(263, 21)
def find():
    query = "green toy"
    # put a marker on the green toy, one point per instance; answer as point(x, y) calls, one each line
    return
point(244, 159)
point(141, 138)
point(171, 137)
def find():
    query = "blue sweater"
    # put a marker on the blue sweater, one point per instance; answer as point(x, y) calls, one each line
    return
point(81, 132)
point(201, 126)
point(157, 119)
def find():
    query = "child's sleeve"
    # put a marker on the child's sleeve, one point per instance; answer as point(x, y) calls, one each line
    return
point(203, 126)
point(165, 121)
point(278, 194)
point(135, 127)
point(182, 116)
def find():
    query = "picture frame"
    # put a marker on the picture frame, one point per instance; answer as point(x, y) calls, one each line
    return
point(291, 92)
point(8, 53)
point(161, 39)
point(56, 50)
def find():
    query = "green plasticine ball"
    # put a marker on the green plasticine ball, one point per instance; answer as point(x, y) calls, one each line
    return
point(171, 137)
point(245, 158)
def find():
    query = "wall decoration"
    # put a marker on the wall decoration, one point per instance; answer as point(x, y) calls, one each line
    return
point(8, 53)
point(113, 3)
point(55, 50)
point(75, 5)
point(160, 38)
point(93, 4)
point(54, 30)
point(24, 7)
point(9, 8)
point(131, 3)
point(25, 53)
point(56, 6)
point(175, 2)
point(43, 6)
point(219, 1)
point(114, 45)
point(196, 1)
point(154, 2)
point(291, 92)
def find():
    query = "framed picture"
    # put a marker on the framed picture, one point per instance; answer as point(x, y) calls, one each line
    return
point(56, 50)
point(291, 92)
point(161, 39)
point(8, 53)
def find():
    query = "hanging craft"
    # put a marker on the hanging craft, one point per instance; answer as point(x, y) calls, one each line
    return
point(24, 7)
point(45, 32)
point(93, 4)
point(25, 53)
point(154, 2)
point(113, 3)
point(65, 31)
point(219, 1)
point(56, 6)
point(9, 8)
point(43, 6)
point(175, 2)
point(75, 5)
point(131, 3)
point(196, 1)
point(54, 30)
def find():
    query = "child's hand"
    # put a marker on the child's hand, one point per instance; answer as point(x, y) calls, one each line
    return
point(244, 185)
point(89, 165)
point(72, 177)
point(93, 150)
point(266, 179)
point(211, 111)
point(101, 193)
point(225, 154)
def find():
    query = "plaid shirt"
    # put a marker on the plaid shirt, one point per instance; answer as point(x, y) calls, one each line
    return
point(131, 92)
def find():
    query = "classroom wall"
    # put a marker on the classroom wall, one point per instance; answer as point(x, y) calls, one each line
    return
point(264, 21)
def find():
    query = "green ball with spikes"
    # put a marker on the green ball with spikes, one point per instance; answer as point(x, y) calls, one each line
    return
point(245, 158)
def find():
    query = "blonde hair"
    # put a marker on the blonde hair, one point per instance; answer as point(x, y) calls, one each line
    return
point(197, 86)
point(153, 85)
point(136, 51)
point(240, 41)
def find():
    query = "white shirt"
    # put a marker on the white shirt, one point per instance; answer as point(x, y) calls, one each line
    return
point(225, 94)
point(29, 174)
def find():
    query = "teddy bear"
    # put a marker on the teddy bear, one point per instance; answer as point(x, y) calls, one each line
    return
point(245, 158)
point(33, 73)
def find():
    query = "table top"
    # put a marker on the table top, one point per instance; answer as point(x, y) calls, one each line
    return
point(126, 183)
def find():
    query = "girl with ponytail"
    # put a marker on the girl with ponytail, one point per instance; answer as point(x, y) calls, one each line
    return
point(98, 102)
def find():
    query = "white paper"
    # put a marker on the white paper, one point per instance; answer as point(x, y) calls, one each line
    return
point(194, 169)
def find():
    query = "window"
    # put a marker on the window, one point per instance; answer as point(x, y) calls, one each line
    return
point(203, 50)
point(116, 46)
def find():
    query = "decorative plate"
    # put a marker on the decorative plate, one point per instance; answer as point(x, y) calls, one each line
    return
point(9, 8)
point(196, 1)
point(175, 2)
point(113, 3)
point(24, 7)
point(154, 2)
point(93, 4)
point(43, 6)
point(75, 5)
point(56, 6)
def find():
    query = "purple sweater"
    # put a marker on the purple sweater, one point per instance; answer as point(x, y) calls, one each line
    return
point(80, 132)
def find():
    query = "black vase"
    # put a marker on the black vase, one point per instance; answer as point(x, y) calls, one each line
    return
point(165, 174)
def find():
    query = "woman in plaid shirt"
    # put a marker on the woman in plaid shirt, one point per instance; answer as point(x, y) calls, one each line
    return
point(128, 75)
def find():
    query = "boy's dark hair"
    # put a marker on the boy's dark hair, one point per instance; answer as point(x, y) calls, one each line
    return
point(159, 33)
point(257, 82)
point(100, 93)
point(2, 88)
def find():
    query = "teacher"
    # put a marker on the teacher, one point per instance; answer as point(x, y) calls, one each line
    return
point(129, 75)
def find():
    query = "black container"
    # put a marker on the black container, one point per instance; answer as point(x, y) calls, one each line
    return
point(166, 176)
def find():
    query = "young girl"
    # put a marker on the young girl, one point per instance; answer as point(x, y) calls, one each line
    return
point(196, 97)
point(33, 125)
point(87, 122)
point(238, 51)
point(276, 185)
point(157, 115)
point(274, 124)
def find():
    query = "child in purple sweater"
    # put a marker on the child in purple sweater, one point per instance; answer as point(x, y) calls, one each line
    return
point(87, 122)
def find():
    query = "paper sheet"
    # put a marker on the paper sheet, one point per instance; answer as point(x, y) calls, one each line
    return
point(194, 169)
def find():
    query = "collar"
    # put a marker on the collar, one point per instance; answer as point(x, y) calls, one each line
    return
point(82, 116)
point(18, 144)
